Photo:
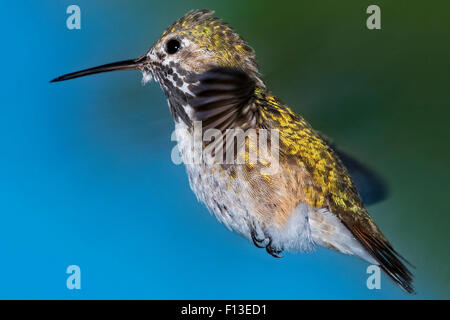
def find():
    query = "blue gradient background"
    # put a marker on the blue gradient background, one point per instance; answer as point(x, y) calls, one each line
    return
point(87, 178)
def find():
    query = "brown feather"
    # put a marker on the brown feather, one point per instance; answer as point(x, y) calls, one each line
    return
point(380, 248)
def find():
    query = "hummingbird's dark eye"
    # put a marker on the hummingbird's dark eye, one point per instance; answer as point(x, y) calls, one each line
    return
point(172, 46)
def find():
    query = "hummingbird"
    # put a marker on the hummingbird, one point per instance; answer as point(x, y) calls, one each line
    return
point(318, 194)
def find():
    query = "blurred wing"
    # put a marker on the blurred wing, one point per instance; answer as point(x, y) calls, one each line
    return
point(369, 184)
point(371, 187)
point(222, 99)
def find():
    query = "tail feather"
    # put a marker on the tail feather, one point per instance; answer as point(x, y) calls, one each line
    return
point(389, 259)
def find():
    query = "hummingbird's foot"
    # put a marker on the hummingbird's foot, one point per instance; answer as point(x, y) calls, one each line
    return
point(258, 242)
point(273, 250)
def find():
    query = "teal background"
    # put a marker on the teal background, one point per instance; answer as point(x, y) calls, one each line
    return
point(86, 176)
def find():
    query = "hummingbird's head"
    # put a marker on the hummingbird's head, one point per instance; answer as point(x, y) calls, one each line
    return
point(196, 43)
point(191, 46)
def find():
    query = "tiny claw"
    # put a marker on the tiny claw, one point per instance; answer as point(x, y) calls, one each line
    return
point(273, 251)
point(257, 242)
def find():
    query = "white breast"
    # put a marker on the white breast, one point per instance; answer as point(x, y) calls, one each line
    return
point(213, 186)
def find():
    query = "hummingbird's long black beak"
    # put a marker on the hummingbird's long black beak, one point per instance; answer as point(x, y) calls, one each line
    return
point(121, 65)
